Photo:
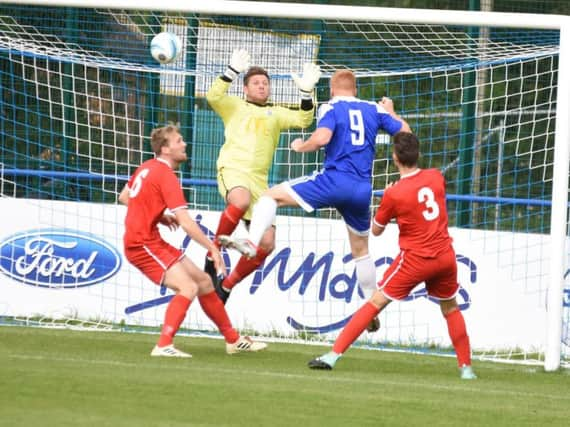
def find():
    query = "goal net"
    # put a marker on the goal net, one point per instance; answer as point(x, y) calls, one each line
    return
point(80, 94)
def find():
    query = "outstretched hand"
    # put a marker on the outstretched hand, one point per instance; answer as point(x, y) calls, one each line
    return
point(240, 60)
point(311, 75)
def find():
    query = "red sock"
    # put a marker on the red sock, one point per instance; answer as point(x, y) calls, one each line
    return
point(175, 314)
point(244, 268)
point(215, 310)
point(459, 338)
point(355, 327)
point(229, 220)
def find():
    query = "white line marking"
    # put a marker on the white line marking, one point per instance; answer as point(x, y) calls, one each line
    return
point(473, 386)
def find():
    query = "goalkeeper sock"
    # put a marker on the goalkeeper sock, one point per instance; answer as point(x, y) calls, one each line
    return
point(459, 338)
point(244, 268)
point(355, 327)
point(229, 220)
point(175, 314)
point(263, 217)
point(215, 310)
point(366, 275)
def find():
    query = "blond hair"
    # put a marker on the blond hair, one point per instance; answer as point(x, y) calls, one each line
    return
point(159, 137)
point(344, 80)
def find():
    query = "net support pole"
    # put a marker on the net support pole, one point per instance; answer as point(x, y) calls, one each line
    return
point(558, 219)
point(467, 141)
point(466, 146)
point(189, 101)
point(70, 131)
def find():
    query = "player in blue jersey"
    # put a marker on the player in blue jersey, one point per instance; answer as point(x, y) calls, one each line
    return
point(347, 129)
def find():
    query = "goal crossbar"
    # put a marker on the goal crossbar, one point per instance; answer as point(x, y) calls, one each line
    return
point(302, 11)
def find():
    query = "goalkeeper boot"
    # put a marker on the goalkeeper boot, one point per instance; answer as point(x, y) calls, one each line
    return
point(325, 362)
point(243, 246)
point(374, 325)
point(467, 373)
point(168, 351)
point(244, 344)
point(222, 292)
point(210, 269)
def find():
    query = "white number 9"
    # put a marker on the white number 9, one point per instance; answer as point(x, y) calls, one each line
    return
point(356, 127)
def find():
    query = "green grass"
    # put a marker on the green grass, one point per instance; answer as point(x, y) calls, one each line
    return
point(68, 378)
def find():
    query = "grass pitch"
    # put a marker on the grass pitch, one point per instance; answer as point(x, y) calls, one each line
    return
point(67, 378)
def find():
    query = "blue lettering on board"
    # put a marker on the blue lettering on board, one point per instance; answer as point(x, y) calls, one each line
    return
point(338, 287)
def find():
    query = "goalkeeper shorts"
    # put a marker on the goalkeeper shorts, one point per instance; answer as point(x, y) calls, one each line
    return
point(229, 179)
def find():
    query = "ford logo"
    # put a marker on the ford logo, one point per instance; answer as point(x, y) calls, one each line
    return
point(58, 258)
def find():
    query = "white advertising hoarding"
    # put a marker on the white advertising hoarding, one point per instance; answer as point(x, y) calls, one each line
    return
point(65, 259)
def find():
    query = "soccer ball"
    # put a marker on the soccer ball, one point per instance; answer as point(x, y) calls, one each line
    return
point(165, 47)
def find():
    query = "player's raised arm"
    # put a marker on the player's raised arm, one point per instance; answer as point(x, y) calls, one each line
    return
point(239, 63)
point(302, 118)
point(388, 106)
point(307, 82)
point(217, 95)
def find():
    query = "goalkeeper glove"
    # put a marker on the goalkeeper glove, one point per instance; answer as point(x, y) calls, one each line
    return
point(238, 63)
point(306, 83)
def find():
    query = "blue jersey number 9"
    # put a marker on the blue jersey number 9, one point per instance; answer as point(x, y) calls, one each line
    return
point(356, 127)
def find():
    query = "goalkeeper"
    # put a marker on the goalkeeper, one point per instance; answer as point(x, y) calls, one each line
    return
point(252, 129)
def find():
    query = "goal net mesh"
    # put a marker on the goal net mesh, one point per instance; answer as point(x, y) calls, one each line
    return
point(80, 94)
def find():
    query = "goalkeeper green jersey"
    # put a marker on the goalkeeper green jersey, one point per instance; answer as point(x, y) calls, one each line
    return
point(251, 131)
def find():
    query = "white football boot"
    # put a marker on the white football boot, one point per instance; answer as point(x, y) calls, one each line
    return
point(168, 351)
point(245, 344)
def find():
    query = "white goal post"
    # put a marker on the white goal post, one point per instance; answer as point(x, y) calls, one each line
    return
point(557, 262)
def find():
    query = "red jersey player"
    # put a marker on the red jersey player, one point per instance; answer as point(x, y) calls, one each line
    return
point(151, 190)
point(417, 202)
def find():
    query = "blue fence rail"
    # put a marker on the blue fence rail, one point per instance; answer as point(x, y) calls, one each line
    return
point(212, 183)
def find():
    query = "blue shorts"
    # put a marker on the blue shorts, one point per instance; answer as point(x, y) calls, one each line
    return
point(349, 194)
